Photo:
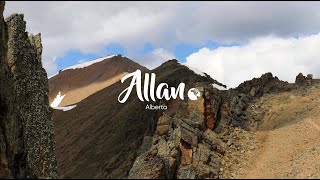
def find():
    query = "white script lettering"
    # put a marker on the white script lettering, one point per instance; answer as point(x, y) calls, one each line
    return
point(149, 92)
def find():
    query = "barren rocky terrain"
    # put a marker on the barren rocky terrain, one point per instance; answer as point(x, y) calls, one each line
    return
point(264, 128)
point(286, 142)
point(288, 139)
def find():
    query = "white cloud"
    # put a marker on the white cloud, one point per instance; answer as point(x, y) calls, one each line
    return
point(90, 26)
point(155, 58)
point(284, 57)
point(49, 64)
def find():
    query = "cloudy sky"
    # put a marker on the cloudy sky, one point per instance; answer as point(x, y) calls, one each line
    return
point(231, 41)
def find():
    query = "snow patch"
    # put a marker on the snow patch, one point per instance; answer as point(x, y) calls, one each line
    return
point(85, 64)
point(55, 103)
point(66, 108)
point(219, 87)
point(195, 70)
point(53, 75)
point(57, 100)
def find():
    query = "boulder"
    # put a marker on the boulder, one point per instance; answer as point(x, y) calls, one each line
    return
point(190, 136)
point(186, 154)
point(213, 140)
point(162, 130)
point(163, 120)
point(302, 80)
point(186, 172)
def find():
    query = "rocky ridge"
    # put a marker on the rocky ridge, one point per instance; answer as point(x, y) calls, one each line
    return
point(26, 128)
point(209, 137)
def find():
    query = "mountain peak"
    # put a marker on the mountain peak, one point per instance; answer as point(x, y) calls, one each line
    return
point(173, 65)
point(81, 80)
point(84, 64)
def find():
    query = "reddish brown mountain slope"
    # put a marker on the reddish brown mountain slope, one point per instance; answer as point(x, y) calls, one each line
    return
point(80, 83)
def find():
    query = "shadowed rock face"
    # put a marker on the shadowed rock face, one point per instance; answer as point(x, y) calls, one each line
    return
point(1, 6)
point(26, 128)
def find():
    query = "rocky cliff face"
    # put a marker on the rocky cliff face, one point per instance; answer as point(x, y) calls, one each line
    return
point(26, 128)
point(184, 144)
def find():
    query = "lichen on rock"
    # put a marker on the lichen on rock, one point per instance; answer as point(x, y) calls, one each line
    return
point(26, 128)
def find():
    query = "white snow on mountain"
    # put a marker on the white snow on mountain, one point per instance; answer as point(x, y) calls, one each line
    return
point(85, 64)
point(219, 87)
point(66, 108)
point(55, 103)
point(195, 70)
point(52, 75)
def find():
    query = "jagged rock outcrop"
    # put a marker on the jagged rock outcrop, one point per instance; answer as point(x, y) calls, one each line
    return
point(267, 83)
point(241, 97)
point(26, 128)
point(302, 80)
point(192, 140)
point(184, 144)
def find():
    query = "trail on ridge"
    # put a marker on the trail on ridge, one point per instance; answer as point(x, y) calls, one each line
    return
point(288, 141)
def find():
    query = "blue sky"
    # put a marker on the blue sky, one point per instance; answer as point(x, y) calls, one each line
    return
point(181, 51)
point(76, 56)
